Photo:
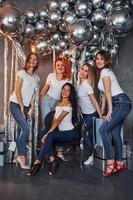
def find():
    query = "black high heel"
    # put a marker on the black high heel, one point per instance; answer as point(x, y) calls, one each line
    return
point(53, 166)
point(34, 169)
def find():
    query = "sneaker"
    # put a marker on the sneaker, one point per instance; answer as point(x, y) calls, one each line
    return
point(89, 161)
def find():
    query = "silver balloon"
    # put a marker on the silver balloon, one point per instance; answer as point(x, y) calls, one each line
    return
point(96, 38)
point(31, 16)
point(72, 1)
point(131, 2)
point(55, 37)
point(119, 21)
point(64, 5)
point(117, 2)
point(62, 27)
point(113, 51)
point(10, 19)
point(91, 61)
point(80, 32)
point(54, 16)
point(96, 29)
point(83, 8)
point(98, 17)
point(52, 4)
point(43, 47)
point(52, 27)
point(108, 6)
point(63, 44)
point(69, 17)
point(29, 31)
point(41, 27)
point(43, 14)
point(97, 3)
point(88, 54)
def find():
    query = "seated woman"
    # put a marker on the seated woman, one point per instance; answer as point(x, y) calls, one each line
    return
point(65, 117)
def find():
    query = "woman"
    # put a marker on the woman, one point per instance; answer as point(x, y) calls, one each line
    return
point(119, 105)
point(65, 118)
point(50, 93)
point(88, 104)
point(22, 104)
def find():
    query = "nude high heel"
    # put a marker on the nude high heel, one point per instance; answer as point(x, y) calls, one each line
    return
point(22, 165)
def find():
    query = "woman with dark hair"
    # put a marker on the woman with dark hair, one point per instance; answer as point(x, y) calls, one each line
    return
point(88, 104)
point(65, 118)
point(22, 104)
point(119, 105)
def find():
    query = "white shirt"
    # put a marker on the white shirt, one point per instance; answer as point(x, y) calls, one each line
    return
point(66, 123)
point(28, 85)
point(55, 86)
point(84, 90)
point(115, 87)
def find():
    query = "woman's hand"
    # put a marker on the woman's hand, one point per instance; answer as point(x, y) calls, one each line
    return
point(22, 110)
point(44, 138)
point(30, 113)
point(108, 117)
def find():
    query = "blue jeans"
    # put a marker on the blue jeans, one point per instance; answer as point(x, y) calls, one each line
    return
point(88, 138)
point(61, 136)
point(23, 129)
point(47, 105)
point(111, 130)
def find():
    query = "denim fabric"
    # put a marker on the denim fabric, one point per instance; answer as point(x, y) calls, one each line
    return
point(88, 138)
point(61, 136)
point(47, 105)
point(23, 129)
point(111, 130)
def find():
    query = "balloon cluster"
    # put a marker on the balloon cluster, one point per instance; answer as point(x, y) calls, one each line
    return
point(63, 24)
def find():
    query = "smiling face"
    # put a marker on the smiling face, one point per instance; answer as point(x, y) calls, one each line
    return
point(65, 93)
point(59, 67)
point(32, 62)
point(84, 71)
point(100, 61)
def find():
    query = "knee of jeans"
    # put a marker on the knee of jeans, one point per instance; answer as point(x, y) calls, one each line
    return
point(26, 130)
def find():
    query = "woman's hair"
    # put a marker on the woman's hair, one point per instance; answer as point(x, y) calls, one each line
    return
point(67, 64)
point(27, 60)
point(73, 101)
point(90, 77)
point(107, 58)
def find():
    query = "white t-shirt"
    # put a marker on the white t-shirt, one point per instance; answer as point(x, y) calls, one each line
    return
point(55, 86)
point(66, 123)
point(28, 85)
point(84, 90)
point(115, 87)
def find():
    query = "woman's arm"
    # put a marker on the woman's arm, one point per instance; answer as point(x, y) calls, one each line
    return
point(18, 87)
point(55, 123)
point(95, 103)
point(44, 90)
point(32, 108)
point(107, 89)
point(103, 104)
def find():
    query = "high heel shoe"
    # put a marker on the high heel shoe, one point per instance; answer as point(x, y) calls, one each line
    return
point(34, 169)
point(110, 170)
point(53, 166)
point(120, 167)
point(22, 165)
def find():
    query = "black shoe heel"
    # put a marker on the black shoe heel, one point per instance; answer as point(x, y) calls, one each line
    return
point(53, 166)
point(34, 169)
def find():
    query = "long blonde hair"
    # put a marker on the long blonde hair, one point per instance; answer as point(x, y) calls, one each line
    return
point(90, 77)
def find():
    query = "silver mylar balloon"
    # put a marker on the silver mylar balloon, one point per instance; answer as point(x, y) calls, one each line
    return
point(108, 6)
point(55, 37)
point(43, 47)
point(96, 38)
point(118, 2)
point(96, 29)
point(54, 16)
point(29, 31)
point(98, 17)
point(10, 19)
point(113, 51)
point(119, 21)
point(91, 61)
point(52, 4)
point(41, 27)
point(52, 27)
point(64, 5)
point(69, 17)
point(31, 16)
point(88, 54)
point(97, 3)
point(43, 14)
point(63, 44)
point(72, 1)
point(92, 48)
point(83, 8)
point(131, 2)
point(80, 32)
point(62, 27)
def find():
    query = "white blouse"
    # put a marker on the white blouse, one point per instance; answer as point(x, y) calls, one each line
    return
point(28, 85)
point(115, 87)
point(55, 86)
point(66, 123)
